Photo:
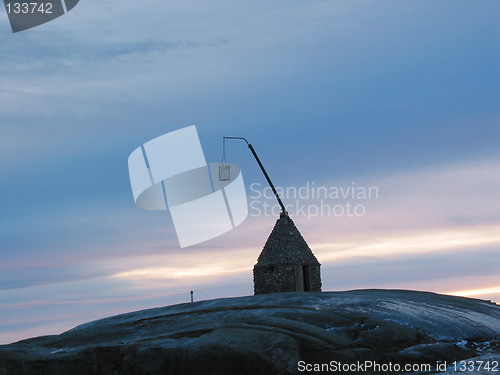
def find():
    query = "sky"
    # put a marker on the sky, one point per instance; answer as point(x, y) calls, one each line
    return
point(401, 97)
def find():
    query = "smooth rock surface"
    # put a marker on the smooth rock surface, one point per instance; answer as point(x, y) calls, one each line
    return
point(269, 334)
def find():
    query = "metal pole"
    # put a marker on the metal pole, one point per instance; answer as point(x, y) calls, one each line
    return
point(283, 209)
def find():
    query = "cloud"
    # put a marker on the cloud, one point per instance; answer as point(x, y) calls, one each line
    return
point(286, 68)
point(477, 292)
point(390, 95)
point(455, 197)
point(401, 221)
point(416, 243)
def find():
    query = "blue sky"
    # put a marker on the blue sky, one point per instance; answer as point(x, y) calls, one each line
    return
point(399, 95)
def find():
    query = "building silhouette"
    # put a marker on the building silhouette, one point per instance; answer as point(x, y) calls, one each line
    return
point(286, 263)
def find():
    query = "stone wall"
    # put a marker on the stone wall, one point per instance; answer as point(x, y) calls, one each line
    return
point(282, 278)
point(315, 279)
point(286, 263)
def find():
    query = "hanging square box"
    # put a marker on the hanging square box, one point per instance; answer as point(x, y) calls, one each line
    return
point(224, 174)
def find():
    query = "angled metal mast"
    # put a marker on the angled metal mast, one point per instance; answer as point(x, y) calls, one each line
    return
point(283, 210)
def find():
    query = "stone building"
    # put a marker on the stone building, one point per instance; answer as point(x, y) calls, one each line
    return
point(286, 264)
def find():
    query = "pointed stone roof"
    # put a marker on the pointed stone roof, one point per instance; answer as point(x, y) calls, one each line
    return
point(286, 245)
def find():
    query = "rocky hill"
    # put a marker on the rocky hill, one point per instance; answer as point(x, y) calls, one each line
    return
point(286, 333)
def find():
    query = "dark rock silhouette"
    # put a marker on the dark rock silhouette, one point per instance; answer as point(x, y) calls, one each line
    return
point(268, 334)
